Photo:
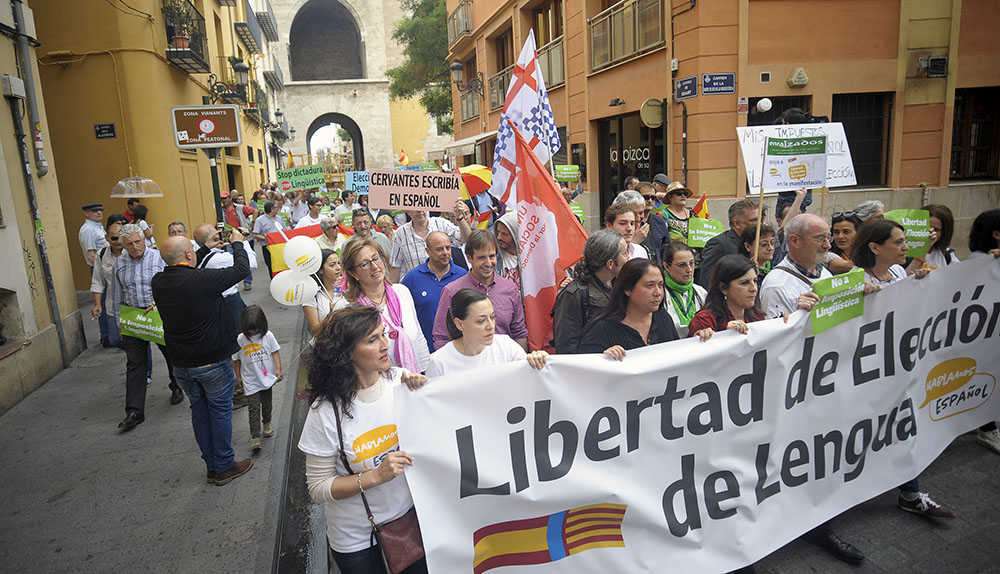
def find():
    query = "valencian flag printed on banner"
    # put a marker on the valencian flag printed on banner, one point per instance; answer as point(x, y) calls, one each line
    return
point(527, 106)
point(551, 240)
point(549, 538)
point(276, 243)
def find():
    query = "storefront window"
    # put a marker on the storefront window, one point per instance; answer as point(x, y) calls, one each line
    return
point(627, 147)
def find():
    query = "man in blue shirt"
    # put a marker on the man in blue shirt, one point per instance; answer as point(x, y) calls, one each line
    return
point(426, 280)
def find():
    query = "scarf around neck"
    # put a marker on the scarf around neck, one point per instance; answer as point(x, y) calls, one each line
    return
point(683, 296)
point(402, 344)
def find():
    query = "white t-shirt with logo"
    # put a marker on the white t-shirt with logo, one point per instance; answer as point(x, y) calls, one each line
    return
point(256, 362)
point(369, 436)
point(447, 359)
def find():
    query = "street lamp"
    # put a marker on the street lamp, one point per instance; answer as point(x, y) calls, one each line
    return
point(227, 91)
point(474, 85)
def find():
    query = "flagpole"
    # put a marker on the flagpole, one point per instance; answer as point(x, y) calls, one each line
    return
point(760, 203)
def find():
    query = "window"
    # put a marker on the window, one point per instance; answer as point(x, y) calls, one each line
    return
point(250, 153)
point(503, 46)
point(624, 30)
point(778, 107)
point(548, 26)
point(866, 123)
point(260, 157)
point(975, 137)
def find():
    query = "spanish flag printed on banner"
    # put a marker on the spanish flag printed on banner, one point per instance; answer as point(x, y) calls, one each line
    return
point(548, 538)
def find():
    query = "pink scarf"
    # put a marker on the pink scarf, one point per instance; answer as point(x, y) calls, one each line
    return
point(403, 346)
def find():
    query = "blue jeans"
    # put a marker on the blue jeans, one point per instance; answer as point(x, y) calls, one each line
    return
point(210, 390)
point(109, 325)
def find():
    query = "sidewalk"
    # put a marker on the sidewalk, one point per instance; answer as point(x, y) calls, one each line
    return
point(79, 497)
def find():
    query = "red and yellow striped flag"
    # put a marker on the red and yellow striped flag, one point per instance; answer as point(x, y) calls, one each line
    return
point(548, 538)
point(701, 208)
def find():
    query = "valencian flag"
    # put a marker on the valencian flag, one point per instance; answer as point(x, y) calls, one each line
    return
point(550, 240)
point(548, 538)
point(276, 242)
point(527, 108)
point(701, 208)
point(474, 185)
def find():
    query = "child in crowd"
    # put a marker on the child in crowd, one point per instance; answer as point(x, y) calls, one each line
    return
point(258, 367)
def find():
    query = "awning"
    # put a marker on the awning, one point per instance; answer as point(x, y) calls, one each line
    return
point(462, 147)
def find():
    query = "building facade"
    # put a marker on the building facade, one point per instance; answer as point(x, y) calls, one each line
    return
point(115, 73)
point(41, 328)
point(915, 83)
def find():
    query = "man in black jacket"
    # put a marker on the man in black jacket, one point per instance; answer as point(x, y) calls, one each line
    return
point(741, 214)
point(202, 332)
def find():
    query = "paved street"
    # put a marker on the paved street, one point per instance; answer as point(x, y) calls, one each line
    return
point(81, 498)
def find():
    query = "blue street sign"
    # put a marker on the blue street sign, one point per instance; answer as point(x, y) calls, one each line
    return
point(718, 84)
point(686, 88)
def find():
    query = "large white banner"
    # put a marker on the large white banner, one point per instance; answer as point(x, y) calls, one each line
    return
point(839, 166)
point(699, 457)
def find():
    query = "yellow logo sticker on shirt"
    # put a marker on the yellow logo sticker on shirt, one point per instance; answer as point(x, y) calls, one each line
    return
point(251, 348)
point(375, 442)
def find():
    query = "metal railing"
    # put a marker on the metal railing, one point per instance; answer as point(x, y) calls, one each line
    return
point(498, 84)
point(550, 60)
point(186, 39)
point(470, 105)
point(249, 31)
point(273, 75)
point(460, 22)
point(265, 17)
point(626, 29)
point(258, 109)
point(237, 93)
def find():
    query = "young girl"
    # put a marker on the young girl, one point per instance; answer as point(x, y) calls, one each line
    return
point(258, 367)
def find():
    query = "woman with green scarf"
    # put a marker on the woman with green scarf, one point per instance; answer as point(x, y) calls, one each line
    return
point(764, 246)
point(684, 297)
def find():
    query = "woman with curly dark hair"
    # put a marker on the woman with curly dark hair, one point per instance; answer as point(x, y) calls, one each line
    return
point(351, 385)
point(731, 302)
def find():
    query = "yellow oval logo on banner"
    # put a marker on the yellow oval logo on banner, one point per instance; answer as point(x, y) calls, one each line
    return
point(948, 376)
point(375, 442)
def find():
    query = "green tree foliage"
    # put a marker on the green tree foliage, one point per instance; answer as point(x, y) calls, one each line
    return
point(424, 73)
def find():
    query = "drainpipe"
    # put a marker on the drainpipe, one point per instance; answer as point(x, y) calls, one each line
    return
point(684, 142)
point(27, 74)
point(29, 185)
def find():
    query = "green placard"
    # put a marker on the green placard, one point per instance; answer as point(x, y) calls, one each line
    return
point(701, 230)
point(300, 178)
point(916, 226)
point(577, 210)
point(567, 172)
point(285, 219)
point(842, 298)
point(430, 166)
point(134, 322)
point(347, 219)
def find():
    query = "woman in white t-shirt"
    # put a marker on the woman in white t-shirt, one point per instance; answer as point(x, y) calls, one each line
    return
point(364, 263)
point(330, 277)
point(474, 343)
point(942, 224)
point(349, 437)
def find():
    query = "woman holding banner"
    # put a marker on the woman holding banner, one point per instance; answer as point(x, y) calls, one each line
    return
point(474, 342)
point(942, 224)
point(365, 264)
point(351, 387)
point(635, 316)
point(330, 278)
point(880, 249)
point(732, 299)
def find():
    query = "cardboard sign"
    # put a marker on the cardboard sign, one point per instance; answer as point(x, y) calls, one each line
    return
point(134, 322)
point(701, 230)
point(842, 298)
point(356, 181)
point(567, 172)
point(206, 126)
point(917, 227)
point(795, 163)
point(839, 166)
point(417, 191)
point(300, 178)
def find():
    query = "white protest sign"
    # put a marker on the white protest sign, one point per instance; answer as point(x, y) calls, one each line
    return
point(680, 458)
point(839, 165)
point(795, 163)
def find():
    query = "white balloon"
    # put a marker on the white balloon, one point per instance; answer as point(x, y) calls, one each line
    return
point(764, 104)
point(291, 287)
point(302, 253)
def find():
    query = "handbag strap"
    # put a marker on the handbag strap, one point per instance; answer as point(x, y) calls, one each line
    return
point(343, 459)
point(795, 273)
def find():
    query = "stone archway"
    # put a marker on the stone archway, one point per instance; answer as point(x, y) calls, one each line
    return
point(348, 124)
point(325, 43)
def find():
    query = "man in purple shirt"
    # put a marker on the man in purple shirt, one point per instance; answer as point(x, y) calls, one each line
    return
point(481, 251)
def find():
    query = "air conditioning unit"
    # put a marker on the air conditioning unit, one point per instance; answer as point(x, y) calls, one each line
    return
point(934, 66)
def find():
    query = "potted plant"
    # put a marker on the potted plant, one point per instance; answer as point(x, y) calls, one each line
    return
point(179, 19)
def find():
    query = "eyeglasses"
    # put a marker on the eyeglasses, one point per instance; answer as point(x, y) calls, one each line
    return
point(766, 243)
point(821, 239)
point(369, 262)
point(113, 238)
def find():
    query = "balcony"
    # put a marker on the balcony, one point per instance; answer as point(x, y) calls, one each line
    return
point(236, 92)
point(460, 22)
point(498, 85)
point(249, 31)
point(550, 60)
point(266, 19)
point(273, 75)
point(185, 28)
point(470, 105)
point(279, 131)
point(625, 30)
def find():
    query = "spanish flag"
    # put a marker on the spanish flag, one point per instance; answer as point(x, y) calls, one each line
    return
point(701, 208)
point(276, 243)
point(403, 160)
point(548, 538)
